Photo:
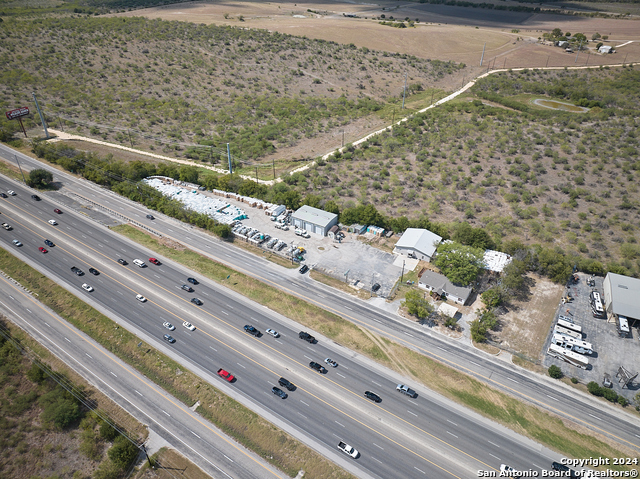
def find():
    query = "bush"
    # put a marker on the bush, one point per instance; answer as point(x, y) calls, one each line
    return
point(574, 380)
point(609, 394)
point(491, 298)
point(623, 401)
point(595, 389)
point(123, 452)
point(555, 372)
point(107, 432)
point(36, 374)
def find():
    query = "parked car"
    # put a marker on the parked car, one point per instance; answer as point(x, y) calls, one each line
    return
point(141, 298)
point(169, 338)
point(187, 288)
point(307, 337)
point(406, 390)
point(86, 287)
point(251, 330)
point(94, 271)
point(279, 392)
point(285, 383)
point(154, 261)
point(373, 396)
point(56, 210)
point(375, 287)
point(225, 375)
point(17, 242)
point(272, 332)
point(122, 262)
point(197, 301)
point(52, 222)
point(168, 325)
point(189, 326)
point(318, 367)
point(49, 243)
point(43, 250)
point(331, 362)
point(303, 269)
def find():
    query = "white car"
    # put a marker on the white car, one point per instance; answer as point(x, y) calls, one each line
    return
point(508, 470)
point(11, 193)
point(168, 325)
point(189, 326)
point(86, 287)
point(53, 222)
point(331, 363)
point(273, 333)
point(17, 243)
point(141, 298)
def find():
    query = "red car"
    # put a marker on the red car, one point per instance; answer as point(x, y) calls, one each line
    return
point(57, 211)
point(226, 375)
point(154, 261)
point(42, 250)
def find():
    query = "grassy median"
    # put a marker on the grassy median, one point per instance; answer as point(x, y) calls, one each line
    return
point(563, 436)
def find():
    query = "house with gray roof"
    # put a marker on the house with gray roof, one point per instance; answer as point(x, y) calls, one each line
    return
point(439, 284)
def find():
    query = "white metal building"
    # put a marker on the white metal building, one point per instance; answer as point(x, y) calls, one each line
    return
point(417, 243)
point(622, 299)
point(314, 220)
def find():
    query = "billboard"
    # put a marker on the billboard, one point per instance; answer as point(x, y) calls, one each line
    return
point(17, 113)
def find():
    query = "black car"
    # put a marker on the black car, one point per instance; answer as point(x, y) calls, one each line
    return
point(49, 243)
point(317, 367)
point(35, 197)
point(187, 288)
point(375, 287)
point(192, 280)
point(285, 383)
point(169, 338)
point(556, 466)
point(279, 392)
point(303, 269)
point(4, 195)
point(94, 271)
point(150, 217)
point(122, 262)
point(373, 396)
point(307, 337)
point(251, 330)
point(77, 271)
point(196, 301)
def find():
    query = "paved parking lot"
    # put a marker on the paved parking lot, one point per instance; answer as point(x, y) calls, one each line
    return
point(610, 350)
point(365, 265)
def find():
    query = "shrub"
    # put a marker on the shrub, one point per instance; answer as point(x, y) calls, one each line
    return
point(623, 401)
point(594, 388)
point(491, 298)
point(574, 380)
point(555, 372)
point(609, 394)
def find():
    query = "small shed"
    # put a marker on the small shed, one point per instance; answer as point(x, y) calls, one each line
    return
point(275, 210)
point(376, 230)
point(562, 44)
point(333, 231)
point(357, 229)
point(605, 49)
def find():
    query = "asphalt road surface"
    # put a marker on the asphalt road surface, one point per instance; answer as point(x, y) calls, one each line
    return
point(425, 441)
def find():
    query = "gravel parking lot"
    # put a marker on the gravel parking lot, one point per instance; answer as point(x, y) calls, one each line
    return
point(610, 350)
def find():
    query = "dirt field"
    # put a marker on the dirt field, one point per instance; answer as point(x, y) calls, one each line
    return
point(525, 325)
point(444, 32)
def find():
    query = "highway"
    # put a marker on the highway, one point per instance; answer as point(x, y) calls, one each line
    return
point(399, 436)
point(520, 383)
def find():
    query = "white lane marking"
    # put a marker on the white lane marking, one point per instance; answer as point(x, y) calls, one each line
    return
point(452, 422)
point(596, 417)
point(228, 457)
point(376, 320)
point(636, 435)
point(495, 457)
point(100, 245)
point(156, 276)
point(188, 237)
point(228, 306)
point(88, 355)
point(377, 384)
point(420, 470)
point(119, 292)
point(347, 307)
point(452, 434)
point(442, 349)
point(377, 446)
point(241, 365)
point(493, 443)
point(303, 402)
point(165, 412)
point(12, 297)
point(409, 334)
point(227, 255)
point(513, 380)
point(67, 340)
point(303, 415)
point(84, 236)
point(537, 466)
point(206, 294)
point(322, 296)
point(412, 413)
point(224, 312)
point(29, 310)
point(139, 393)
point(170, 229)
point(552, 397)
point(213, 348)
point(278, 341)
point(344, 367)
point(113, 374)
point(474, 363)
point(307, 357)
point(376, 459)
point(195, 434)
point(47, 323)
point(338, 423)
point(341, 375)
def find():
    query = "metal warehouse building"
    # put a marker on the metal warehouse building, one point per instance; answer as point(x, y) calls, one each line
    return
point(622, 299)
point(418, 243)
point(314, 220)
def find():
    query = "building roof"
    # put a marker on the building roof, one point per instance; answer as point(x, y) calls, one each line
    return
point(334, 229)
point(315, 216)
point(605, 48)
point(440, 282)
point(419, 239)
point(495, 260)
point(625, 295)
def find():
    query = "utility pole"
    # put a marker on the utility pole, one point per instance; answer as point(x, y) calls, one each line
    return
point(130, 141)
point(346, 276)
point(404, 93)
point(342, 139)
point(256, 174)
point(16, 157)
point(44, 124)
point(579, 48)
point(148, 458)
point(60, 124)
point(432, 92)
point(402, 275)
point(274, 168)
point(229, 157)
point(547, 64)
point(482, 57)
point(625, 59)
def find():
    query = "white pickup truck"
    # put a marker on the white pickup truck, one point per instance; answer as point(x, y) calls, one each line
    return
point(347, 449)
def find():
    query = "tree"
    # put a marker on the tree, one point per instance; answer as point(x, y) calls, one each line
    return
point(556, 33)
point(123, 452)
point(332, 207)
point(595, 36)
point(492, 298)
point(594, 388)
point(555, 372)
point(39, 178)
point(416, 304)
point(477, 237)
point(460, 263)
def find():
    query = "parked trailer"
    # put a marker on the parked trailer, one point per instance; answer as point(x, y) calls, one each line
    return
point(576, 345)
point(567, 332)
point(569, 356)
point(568, 325)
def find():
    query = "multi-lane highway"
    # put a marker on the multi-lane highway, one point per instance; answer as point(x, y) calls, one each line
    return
point(229, 312)
point(399, 436)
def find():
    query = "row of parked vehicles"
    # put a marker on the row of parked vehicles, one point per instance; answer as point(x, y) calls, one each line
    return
point(258, 238)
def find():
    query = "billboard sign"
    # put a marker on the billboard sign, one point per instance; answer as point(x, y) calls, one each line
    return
point(17, 113)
